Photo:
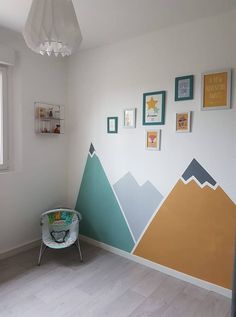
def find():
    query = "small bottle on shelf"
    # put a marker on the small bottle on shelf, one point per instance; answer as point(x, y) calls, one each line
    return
point(57, 129)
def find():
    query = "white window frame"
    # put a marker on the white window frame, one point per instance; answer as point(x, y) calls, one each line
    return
point(4, 109)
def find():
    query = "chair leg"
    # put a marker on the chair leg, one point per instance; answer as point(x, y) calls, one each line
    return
point(41, 252)
point(79, 249)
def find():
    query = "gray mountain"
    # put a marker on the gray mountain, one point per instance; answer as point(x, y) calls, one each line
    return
point(91, 149)
point(196, 170)
point(138, 202)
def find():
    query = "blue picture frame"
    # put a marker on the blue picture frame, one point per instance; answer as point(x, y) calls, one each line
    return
point(184, 88)
point(112, 125)
point(154, 108)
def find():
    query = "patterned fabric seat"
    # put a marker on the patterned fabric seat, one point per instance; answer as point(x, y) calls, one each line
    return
point(60, 229)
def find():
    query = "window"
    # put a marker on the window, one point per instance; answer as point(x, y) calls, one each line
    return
point(3, 119)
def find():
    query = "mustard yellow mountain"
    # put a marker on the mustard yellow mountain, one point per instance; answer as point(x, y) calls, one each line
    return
point(193, 232)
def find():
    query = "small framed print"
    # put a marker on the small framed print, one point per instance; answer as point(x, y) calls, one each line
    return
point(153, 140)
point(112, 125)
point(184, 88)
point(154, 108)
point(216, 90)
point(130, 118)
point(183, 122)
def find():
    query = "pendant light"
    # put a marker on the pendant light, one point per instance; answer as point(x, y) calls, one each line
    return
point(52, 28)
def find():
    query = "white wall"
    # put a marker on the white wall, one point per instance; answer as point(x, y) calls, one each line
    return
point(104, 81)
point(37, 179)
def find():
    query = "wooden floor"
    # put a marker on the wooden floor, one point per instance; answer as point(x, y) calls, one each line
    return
point(104, 285)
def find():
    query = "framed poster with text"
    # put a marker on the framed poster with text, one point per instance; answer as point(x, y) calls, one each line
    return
point(216, 90)
point(184, 88)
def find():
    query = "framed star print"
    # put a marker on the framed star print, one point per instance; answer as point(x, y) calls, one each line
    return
point(153, 138)
point(154, 108)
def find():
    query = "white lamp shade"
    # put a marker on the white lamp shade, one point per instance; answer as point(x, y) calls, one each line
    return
point(52, 27)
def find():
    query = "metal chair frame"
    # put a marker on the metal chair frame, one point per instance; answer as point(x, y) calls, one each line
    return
point(44, 247)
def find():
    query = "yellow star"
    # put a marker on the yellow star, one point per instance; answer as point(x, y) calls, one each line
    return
point(151, 103)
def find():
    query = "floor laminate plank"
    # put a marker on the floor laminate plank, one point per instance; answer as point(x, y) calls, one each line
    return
point(149, 283)
point(214, 305)
point(161, 299)
point(103, 285)
point(123, 305)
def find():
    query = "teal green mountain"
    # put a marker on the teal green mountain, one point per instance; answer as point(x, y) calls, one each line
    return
point(103, 219)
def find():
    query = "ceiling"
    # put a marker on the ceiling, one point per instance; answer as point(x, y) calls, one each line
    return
point(107, 21)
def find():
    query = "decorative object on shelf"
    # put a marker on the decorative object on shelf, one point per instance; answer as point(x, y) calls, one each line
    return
point(153, 140)
point(130, 118)
point(184, 88)
point(216, 90)
point(49, 119)
point(57, 129)
point(52, 28)
point(183, 122)
point(154, 108)
point(112, 125)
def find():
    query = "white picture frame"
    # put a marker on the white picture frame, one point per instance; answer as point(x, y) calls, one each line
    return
point(153, 143)
point(226, 91)
point(130, 118)
point(183, 122)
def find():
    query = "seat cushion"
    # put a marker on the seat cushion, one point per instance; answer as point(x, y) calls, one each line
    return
point(48, 241)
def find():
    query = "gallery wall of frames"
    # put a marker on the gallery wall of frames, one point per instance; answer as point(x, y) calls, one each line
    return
point(139, 219)
point(152, 153)
point(215, 95)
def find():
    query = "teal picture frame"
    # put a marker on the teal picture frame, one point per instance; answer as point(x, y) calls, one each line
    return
point(112, 125)
point(157, 117)
point(187, 89)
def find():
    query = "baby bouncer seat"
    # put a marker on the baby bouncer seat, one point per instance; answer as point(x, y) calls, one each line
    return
point(60, 229)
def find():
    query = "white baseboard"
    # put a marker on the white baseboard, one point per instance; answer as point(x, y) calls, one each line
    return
point(20, 249)
point(187, 278)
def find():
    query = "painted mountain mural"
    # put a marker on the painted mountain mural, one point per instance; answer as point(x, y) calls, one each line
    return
point(103, 219)
point(194, 230)
point(138, 202)
point(197, 173)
